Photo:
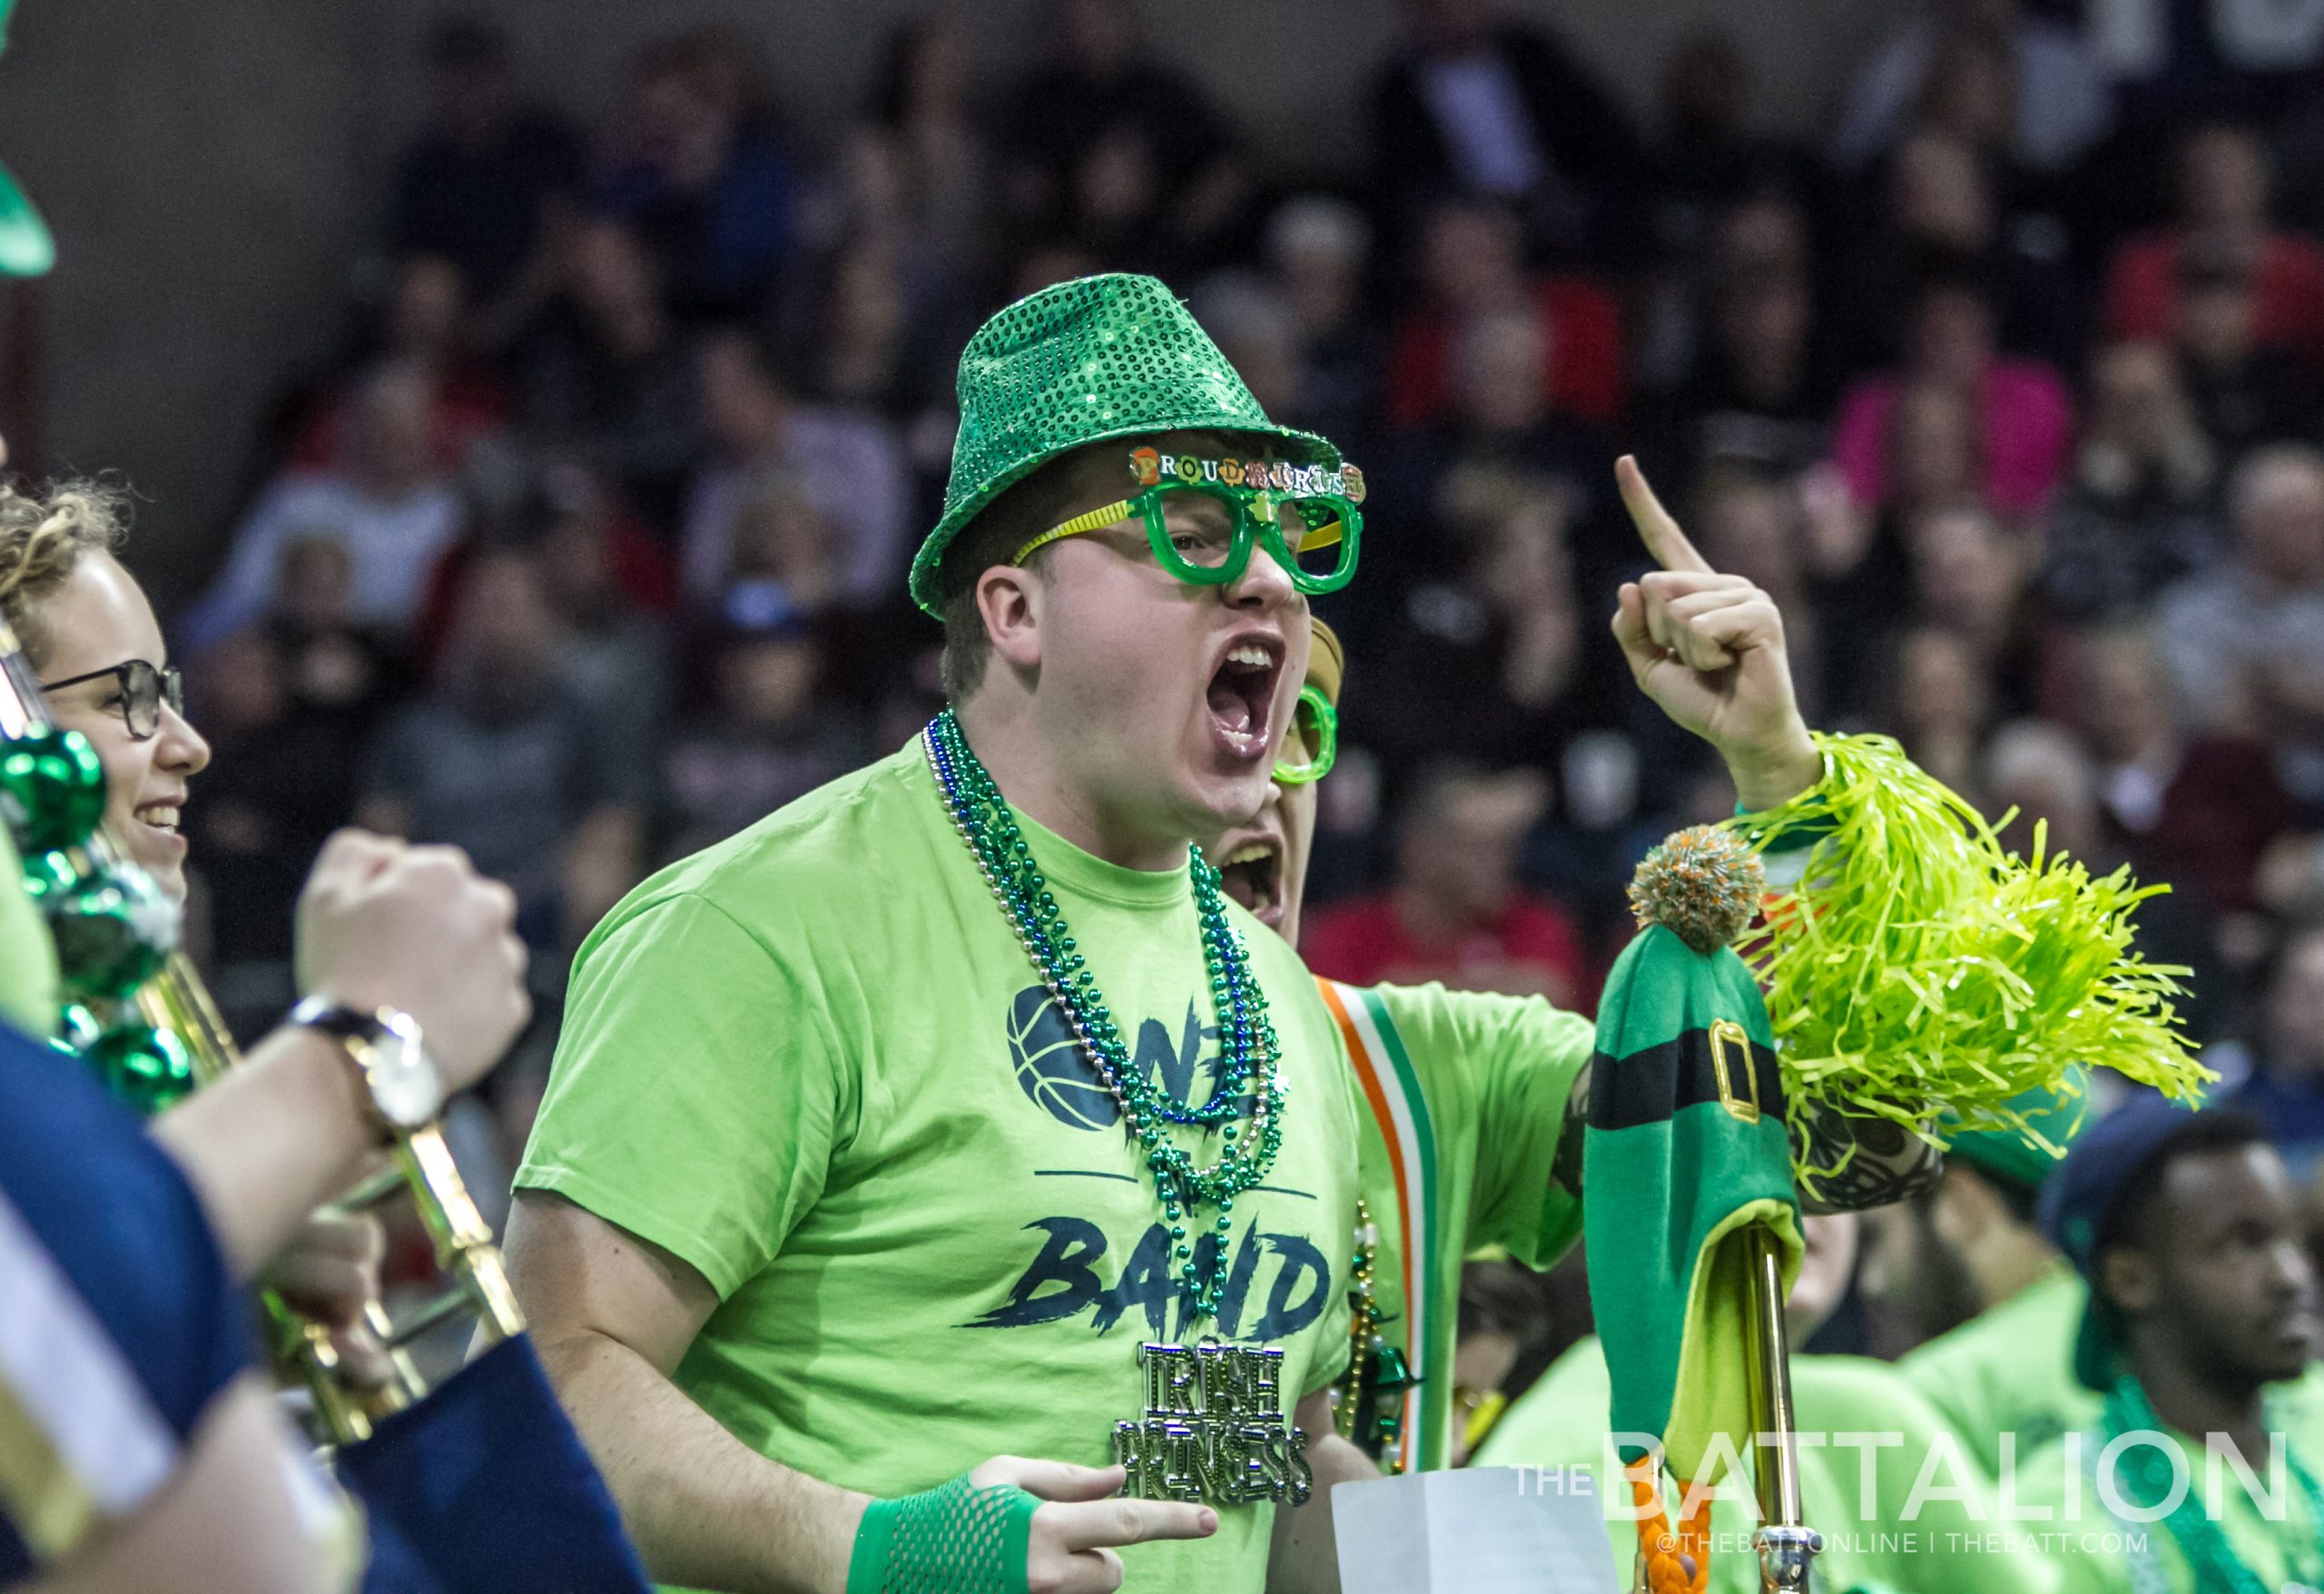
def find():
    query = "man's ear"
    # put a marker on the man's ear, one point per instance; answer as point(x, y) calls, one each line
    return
point(1009, 601)
point(2128, 1278)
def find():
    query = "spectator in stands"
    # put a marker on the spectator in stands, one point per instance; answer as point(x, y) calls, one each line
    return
point(1940, 704)
point(337, 671)
point(1455, 911)
point(933, 160)
point(2223, 216)
point(770, 736)
point(701, 178)
point(2054, 96)
point(1497, 661)
point(609, 589)
point(784, 543)
point(856, 348)
point(1761, 394)
point(2245, 392)
point(1502, 420)
point(388, 503)
point(847, 467)
point(248, 824)
point(2046, 774)
point(424, 323)
point(299, 695)
point(1969, 576)
point(1707, 151)
point(477, 185)
point(501, 760)
point(2249, 635)
point(1108, 147)
point(1318, 249)
point(2286, 1089)
point(1946, 217)
point(1474, 261)
point(1473, 104)
point(604, 374)
point(2021, 414)
point(2201, 809)
point(2141, 507)
point(296, 698)
point(1253, 327)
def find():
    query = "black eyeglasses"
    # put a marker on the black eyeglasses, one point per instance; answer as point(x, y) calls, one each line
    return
point(145, 688)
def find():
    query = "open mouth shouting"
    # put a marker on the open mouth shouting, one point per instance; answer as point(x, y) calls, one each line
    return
point(1242, 698)
point(1250, 869)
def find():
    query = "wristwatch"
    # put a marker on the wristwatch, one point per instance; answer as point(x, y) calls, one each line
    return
point(402, 1083)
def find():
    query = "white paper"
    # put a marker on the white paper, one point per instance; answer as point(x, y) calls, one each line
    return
point(1460, 1532)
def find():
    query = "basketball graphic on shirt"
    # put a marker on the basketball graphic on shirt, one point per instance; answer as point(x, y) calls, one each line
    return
point(1051, 1067)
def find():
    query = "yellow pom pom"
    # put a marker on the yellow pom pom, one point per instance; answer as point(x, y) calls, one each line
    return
point(1702, 884)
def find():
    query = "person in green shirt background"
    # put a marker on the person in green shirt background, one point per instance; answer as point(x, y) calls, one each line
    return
point(2200, 1333)
point(1993, 1303)
point(1466, 1096)
point(1870, 1438)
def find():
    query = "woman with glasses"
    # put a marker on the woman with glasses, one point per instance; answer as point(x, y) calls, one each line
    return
point(89, 634)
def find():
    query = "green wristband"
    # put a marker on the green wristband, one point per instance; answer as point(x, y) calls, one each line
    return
point(956, 1538)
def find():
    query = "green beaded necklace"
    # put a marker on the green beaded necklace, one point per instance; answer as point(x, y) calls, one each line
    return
point(982, 816)
point(2218, 1568)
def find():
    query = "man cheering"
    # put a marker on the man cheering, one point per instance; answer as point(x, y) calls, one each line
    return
point(952, 1110)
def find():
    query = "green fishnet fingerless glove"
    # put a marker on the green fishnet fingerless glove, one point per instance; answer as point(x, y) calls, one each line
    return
point(956, 1538)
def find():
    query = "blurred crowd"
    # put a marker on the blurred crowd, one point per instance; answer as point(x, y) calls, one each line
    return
point(589, 548)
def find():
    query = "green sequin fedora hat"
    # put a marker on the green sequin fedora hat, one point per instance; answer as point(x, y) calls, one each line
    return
point(1090, 359)
point(26, 250)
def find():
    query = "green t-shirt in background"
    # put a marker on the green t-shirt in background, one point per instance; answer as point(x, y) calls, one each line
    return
point(1464, 1097)
point(2099, 1554)
point(2010, 1370)
point(1940, 1548)
point(814, 1062)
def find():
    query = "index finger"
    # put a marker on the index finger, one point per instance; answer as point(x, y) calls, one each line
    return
point(1660, 533)
point(1112, 1523)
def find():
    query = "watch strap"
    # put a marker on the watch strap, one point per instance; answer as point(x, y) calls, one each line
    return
point(356, 1030)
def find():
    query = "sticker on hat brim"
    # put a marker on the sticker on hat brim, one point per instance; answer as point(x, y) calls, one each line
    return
point(1150, 467)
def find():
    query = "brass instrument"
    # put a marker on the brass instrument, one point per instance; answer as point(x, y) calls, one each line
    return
point(174, 1003)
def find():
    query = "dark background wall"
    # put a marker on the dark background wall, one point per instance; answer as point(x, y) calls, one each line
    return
point(212, 170)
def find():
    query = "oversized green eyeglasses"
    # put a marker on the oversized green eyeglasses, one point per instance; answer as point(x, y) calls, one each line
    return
point(1307, 517)
point(1313, 741)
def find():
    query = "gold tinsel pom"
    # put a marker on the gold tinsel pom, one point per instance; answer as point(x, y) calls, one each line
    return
point(1702, 884)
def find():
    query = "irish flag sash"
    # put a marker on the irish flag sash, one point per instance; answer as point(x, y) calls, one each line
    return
point(1384, 1072)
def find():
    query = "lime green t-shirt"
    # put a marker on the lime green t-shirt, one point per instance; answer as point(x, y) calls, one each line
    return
point(2099, 1553)
point(2010, 1370)
point(814, 1062)
point(1875, 1537)
point(1466, 1094)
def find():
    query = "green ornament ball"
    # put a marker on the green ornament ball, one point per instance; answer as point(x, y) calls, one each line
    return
point(113, 929)
point(143, 1067)
point(48, 877)
point(52, 790)
point(77, 1028)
